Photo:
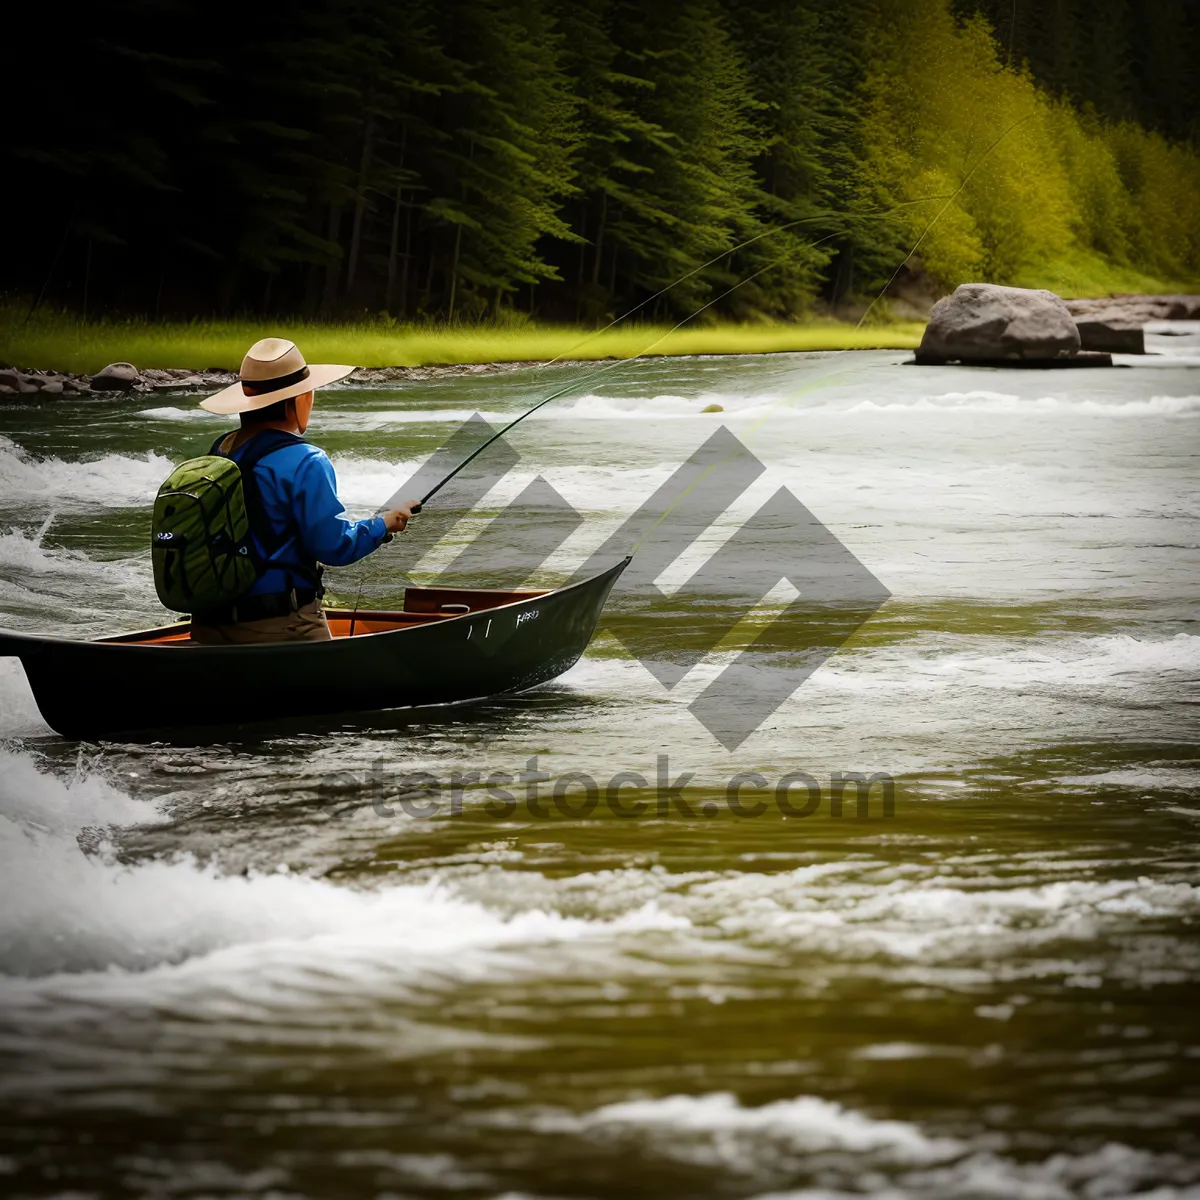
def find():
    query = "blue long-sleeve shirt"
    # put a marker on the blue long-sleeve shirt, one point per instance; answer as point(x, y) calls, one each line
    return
point(299, 489)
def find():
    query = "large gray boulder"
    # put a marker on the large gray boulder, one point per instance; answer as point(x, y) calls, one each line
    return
point(116, 377)
point(983, 322)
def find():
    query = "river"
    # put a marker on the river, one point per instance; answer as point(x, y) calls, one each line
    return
point(238, 966)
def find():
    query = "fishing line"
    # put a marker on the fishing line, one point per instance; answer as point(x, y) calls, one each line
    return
point(683, 278)
point(725, 254)
point(585, 379)
point(579, 382)
point(966, 179)
point(845, 217)
point(849, 217)
point(949, 201)
point(621, 362)
point(642, 353)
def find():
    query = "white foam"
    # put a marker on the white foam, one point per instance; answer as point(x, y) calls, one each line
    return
point(129, 481)
point(192, 413)
point(717, 1130)
point(931, 921)
point(111, 481)
point(663, 406)
point(1164, 778)
point(58, 806)
point(376, 419)
point(1118, 660)
point(343, 419)
point(859, 1154)
point(589, 407)
point(738, 407)
point(1002, 403)
point(62, 910)
point(364, 483)
point(1113, 1171)
point(19, 715)
point(947, 921)
point(26, 554)
point(65, 912)
point(68, 912)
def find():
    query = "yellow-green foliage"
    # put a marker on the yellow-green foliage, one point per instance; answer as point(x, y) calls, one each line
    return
point(1035, 193)
point(1164, 183)
point(63, 342)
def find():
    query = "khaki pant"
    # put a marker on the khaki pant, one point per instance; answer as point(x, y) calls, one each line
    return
point(307, 624)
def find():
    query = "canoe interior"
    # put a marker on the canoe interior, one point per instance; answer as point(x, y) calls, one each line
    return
point(422, 606)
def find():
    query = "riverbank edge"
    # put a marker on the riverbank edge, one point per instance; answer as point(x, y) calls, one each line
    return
point(61, 348)
point(37, 385)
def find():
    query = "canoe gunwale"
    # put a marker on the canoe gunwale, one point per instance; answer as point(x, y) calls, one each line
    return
point(13, 641)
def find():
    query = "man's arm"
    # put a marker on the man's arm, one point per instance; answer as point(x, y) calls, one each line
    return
point(327, 535)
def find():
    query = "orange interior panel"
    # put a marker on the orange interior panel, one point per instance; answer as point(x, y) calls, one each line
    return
point(421, 607)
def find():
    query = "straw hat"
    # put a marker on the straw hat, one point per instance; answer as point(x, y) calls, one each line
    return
point(272, 370)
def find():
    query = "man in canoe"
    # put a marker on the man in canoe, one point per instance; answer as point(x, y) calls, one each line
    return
point(295, 517)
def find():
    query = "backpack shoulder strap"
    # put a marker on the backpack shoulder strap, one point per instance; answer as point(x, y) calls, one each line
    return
point(258, 447)
point(218, 447)
point(255, 450)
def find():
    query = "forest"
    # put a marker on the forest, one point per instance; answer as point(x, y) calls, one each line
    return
point(496, 160)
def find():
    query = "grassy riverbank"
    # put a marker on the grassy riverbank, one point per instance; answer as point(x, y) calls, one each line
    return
point(62, 342)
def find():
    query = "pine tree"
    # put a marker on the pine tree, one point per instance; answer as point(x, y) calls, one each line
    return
point(606, 175)
point(783, 46)
point(496, 181)
point(691, 155)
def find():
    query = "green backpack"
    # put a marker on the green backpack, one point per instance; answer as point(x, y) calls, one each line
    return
point(205, 517)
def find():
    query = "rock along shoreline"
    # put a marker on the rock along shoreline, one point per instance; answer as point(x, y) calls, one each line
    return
point(123, 379)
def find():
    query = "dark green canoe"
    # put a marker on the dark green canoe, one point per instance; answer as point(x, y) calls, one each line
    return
point(447, 645)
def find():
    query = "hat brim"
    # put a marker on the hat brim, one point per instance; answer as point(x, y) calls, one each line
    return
point(233, 400)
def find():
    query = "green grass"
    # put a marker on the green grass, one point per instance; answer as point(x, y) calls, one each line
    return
point(58, 341)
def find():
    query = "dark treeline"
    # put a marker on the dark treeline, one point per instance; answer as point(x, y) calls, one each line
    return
point(1129, 59)
point(462, 159)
